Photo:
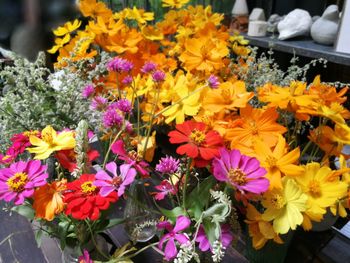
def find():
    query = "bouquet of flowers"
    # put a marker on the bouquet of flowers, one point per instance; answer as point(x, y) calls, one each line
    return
point(170, 113)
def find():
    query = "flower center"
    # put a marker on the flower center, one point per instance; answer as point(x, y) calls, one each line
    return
point(314, 188)
point(277, 201)
point(254, 128)
point(17, 182)
point(226, 94)
point(237, 176)
point(117, 181)
point(135, 156)
point(88, 188)
point(271, 161)
point(197, 136)
point(48, 138)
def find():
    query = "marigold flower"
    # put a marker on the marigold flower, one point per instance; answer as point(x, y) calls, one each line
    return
point(19, 180)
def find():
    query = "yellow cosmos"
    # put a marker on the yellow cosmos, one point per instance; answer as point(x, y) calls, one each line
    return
point(59, 42)
point(139, 15)
point(322, 189)
point(174, 3)
point(67, 28)
point(278, 162)
point(152, 33)
point(284, 207)
point(50, 142)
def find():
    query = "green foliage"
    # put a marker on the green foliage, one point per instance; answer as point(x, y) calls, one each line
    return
point(24, 210)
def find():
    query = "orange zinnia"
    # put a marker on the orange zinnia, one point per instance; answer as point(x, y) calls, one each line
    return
point(48, 201)
point(255, 124)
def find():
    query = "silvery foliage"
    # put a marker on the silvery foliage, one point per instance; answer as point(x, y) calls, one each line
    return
point(186, 254)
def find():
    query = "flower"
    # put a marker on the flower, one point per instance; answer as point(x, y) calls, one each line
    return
point(20, 179)
point(278, 161)
point(111, 118)
point(225, 238)
point(50, 142)
point(167, 165)
point(149, 67)
point(120, 65)
point(213, 82)
point(285, 206)
point(170, 251)
point(117, 182)
point(165, 188)
point(48, 200)
point(98, 103)
point(88, 91)
point(84, 200)
point(67, 158)
point(174, 3)
point(131, 158)
point(241, 171)
point(124, 105)
point(199, 144)
point(85, 258)
point(127, 80)
point(158, 76)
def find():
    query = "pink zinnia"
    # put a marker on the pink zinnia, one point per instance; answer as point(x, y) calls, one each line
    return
point(19, 180)
point(241, 171)
point(117, 182)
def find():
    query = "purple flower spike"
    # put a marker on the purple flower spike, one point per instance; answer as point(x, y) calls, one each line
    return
point(170, 250)
point(118, 182)
point(149, 67)
point(241, 171)
point(213, 82)
point(88, 91)
point(167, 165)
point(158, 76)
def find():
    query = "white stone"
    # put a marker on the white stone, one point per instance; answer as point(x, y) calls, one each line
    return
point(240, 8)
point(272, 23)
point(257, 28)
point(296, 23)
point(257, 14)
point(324, 30)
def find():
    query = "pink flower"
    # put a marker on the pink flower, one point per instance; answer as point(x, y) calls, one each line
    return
point(120, 65)
point(213, 82)
point(19, 180)
point(111, 118)
point(170, 251)
point(88, 91)
point(117, 182)
point(85, 258)
point(127, 80)
point(148, 67)
point(98, 103)
point(167, 165)
point(124, 105)
point(225, 238)
point(158, 76)
point(130, 158)
point(241, 171)
point(165, 188)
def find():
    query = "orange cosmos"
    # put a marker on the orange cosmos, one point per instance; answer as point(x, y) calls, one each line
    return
point(48, 201)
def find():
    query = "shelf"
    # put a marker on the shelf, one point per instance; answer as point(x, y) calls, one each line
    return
point(301, 47)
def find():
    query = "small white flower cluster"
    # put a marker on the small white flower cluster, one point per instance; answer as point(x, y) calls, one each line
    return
point(221, 197)
point(218, 251)
point(186, 254)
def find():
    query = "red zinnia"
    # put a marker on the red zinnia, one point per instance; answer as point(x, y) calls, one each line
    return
point(201, 145)
point(67, 158)
point(83, 198)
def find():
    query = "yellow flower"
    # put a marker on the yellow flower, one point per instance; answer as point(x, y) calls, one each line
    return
point(67, 28)
point(285, 206)
point(50, 142)
point(322, 188)
point(152, 33)
point(138, 14)
point(150, 148)
point(174, 3)
point(59, 42)
point(278, 162)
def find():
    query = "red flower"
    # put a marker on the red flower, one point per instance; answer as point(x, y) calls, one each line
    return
point(84, 200)
point(200, 144)
point(67, 158)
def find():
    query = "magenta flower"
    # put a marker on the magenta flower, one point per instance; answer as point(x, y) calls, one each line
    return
point(226, 238)
point(98, 103)
point(88, 91)
point(85, 258)
point(148, 67)
point(241, 171)
point(117, 182)
point(19, 180)
point(165, 188)
point(130, 158)
point(213, 82)
point(7, 158)
point(120, 65)
point(124, 105)
point(170, 251)
point(167, 165)
point(158, 76)
point(111, 118)
point(127, 80)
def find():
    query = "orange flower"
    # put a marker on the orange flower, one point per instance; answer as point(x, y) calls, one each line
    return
point(48, 201)
point(94, 9)
point(278, 162)
point(324, 137)
point(255, 124)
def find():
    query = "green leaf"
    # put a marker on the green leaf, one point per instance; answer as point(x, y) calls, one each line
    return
point(216, 211)
point(212, 231)
point(174, 213)
point(38, 236)
point(200, 195)
point(25, 211)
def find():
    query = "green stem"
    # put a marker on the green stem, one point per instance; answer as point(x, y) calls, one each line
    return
point(94, 241)
point(110, 146)
point(188, 170)
point(139, 251)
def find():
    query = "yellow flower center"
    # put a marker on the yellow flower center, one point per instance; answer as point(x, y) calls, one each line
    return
point(17, 182)
point(254, 130)
point(237, 176)
point(226, 94)
point(197, 136)
point(315, 188)
point(277, 201)
point(271, 161)
point(47, 137)
point(88, 187)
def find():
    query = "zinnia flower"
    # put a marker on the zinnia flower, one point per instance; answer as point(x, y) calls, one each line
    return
point(19, 180)
point(67, 158)
point(200, 145)
point(241, 171)
point(48, 200)
point(225, 238)
point(285, 206)
point(170, 251)
point(118, 182)
point(50, 142)
point(84, 200)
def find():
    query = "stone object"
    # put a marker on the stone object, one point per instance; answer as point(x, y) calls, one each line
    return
point(296, 23)
point(240, 8)
point(257, 28)
point(257, 14)
point(272, 23)
point(239, 23)
point(314, 18)
point(324, 30)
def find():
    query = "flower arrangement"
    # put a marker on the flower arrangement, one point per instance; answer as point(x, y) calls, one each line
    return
point(169, 108)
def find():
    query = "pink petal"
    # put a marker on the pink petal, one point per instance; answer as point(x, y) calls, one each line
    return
point(235, 157)
point(181, 238)
point(219, 171)
point(112, 168)
point(182, 222)
point(102, 175)
point(170, 250)
point(106, 190)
